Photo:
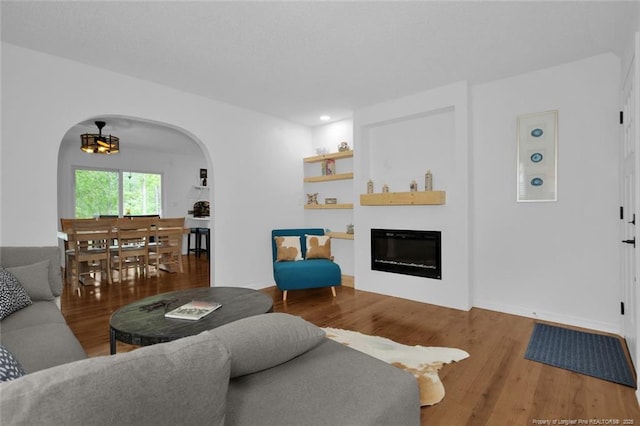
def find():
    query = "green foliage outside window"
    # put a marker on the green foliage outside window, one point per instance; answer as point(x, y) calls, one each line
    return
point(98, 193)
point(141, 193)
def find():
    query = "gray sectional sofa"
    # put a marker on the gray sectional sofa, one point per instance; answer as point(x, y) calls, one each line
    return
point(271, 369)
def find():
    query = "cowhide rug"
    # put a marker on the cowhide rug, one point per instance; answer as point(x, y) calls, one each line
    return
point(423, 362)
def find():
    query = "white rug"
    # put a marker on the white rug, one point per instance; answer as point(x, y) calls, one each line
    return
point(421, 361)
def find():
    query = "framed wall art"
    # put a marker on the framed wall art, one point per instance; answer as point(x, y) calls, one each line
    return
point(537, 139)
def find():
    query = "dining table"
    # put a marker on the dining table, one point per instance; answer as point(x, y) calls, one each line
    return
point(67, 235)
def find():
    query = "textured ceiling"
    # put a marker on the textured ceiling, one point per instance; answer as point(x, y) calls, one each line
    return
point(298, 60)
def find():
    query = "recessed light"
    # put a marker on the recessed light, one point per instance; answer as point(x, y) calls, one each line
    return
point(325, 118)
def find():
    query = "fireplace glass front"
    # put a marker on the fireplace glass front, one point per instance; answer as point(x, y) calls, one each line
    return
point(408, 252)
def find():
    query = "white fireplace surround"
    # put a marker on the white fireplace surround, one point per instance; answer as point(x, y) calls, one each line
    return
point(397, 142)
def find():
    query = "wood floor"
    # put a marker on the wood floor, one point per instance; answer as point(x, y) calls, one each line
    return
point(495, 386)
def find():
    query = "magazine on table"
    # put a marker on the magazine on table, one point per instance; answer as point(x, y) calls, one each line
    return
point(193, 310)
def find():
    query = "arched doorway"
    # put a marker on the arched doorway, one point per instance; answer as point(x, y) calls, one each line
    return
point(146, 146)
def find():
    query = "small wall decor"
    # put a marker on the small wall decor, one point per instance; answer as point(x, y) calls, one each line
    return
point(312, 198)
point(321, 150)
point(328, 167)
point(350, 228)
point(331, 201)
point(203, 177)
point(343, 146)
point(428, 181)
point(385, 188)
point(413, 186)
point(370, 187)
point(537, 152)
point(201, 209)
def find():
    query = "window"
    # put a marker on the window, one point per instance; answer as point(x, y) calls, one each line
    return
point(117, 193)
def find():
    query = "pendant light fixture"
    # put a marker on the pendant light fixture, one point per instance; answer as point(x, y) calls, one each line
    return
point(99, 144)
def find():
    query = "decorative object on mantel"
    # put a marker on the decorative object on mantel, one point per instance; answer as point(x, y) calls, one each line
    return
point(537, 143)
point(370, 187)
point(421, 361)
point(350, 228)
point(201, 209)
point(428, 181)
point(203, 176)
point(385, 188)
point(99, 144)
point(321, 150)
point(413, 186)
point(343, 146)
point(312, 198)
point(331, 201)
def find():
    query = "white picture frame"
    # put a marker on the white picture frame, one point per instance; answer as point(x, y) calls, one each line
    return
point(537, 157)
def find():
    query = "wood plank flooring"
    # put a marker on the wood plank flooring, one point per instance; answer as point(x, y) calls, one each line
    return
point(495, 386)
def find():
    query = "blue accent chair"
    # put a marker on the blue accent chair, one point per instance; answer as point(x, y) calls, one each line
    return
point(303, 274)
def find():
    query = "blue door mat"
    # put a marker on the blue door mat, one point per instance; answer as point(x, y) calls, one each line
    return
point(592, 354)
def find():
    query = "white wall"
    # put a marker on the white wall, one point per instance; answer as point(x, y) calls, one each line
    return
point(43, 96)
point(557, 261)
point(328, 137)
point(397, 142)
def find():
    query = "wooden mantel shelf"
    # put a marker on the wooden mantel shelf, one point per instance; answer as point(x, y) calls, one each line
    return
point(328, 206)
point(326, 178)
point(332, 156)
point(341, 235)
point(404, 198)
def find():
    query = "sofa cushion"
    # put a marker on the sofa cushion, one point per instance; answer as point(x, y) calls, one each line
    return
point(39, 312)
point(318, 247)
point(10, 368)
point(13, 296)
point(331, 384)
point(288, 248)
point(35, 279)
point(180, 382)
point(264, 341)
point(42, 346)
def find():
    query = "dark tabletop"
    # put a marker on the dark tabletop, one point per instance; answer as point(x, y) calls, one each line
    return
point(143, 322)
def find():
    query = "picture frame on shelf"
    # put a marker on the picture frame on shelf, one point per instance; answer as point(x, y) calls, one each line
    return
point(537, 157)
point(329, 167)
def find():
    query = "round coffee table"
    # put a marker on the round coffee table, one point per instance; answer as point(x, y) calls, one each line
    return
point(143, 323)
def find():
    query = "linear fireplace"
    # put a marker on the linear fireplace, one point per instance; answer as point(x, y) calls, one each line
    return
point(407, 252)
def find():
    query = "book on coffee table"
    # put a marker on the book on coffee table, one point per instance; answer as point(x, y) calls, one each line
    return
point(193, 310)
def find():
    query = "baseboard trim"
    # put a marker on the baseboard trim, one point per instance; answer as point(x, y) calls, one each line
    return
point(348, 281)
point(552, 317)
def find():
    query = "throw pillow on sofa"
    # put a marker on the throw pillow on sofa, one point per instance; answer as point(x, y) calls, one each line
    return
point(264, 341)
point(10, 368)
point(13, 296)
point(35, 279)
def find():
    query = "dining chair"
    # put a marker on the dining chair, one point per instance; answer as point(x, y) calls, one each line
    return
point(66, 226)
point(88, 253)
point(132, 245)
point(167, 247)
